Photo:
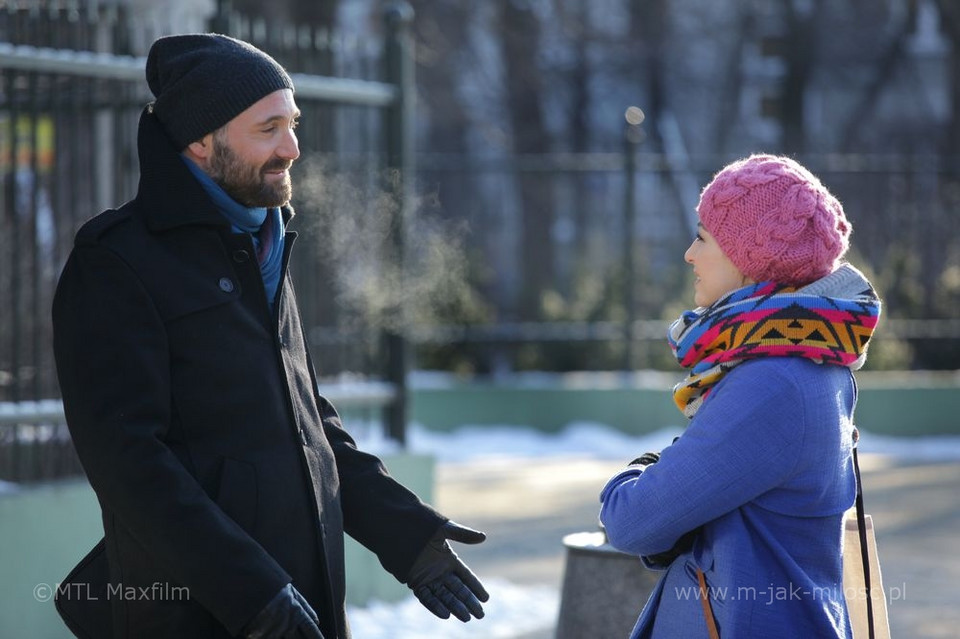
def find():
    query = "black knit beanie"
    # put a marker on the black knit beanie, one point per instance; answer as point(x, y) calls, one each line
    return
point(204, 80)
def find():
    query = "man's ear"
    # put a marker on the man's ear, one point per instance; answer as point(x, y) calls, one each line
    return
point(201, 150)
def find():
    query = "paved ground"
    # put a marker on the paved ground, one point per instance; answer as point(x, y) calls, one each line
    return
point(527, 506)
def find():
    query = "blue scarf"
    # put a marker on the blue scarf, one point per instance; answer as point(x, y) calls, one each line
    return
point(267, 234)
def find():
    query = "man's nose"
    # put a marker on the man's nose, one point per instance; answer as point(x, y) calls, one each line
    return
point(290, 148)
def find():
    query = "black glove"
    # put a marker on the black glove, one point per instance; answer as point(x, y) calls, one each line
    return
point(682, 545)
point(443, 583)
point(645, 459)
point(287, 616)
point(686, 540)
point(649, 457)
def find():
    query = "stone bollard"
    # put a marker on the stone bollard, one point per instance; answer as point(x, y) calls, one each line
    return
point(603, 589)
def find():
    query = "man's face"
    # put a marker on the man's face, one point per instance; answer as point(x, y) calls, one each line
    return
point(252, 153)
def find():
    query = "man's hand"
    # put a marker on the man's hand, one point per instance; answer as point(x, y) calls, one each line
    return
point(443, 583)
point(287, 616)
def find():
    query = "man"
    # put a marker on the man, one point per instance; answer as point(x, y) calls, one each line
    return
point(226, 482)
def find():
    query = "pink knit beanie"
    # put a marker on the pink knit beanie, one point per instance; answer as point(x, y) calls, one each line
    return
point(774, 220)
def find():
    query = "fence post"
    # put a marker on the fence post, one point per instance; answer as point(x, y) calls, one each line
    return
point(220, 20)
point(399, 124)
point(16, 246)
point(631, 139)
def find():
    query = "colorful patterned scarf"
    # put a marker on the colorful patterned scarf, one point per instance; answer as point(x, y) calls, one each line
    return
point(829, 321)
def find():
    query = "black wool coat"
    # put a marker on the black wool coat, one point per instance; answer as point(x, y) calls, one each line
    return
point(221, 473)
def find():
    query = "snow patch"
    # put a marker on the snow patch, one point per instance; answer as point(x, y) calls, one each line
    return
point(513, 611)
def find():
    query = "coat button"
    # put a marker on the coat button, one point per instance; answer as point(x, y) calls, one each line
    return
point(240, 256)
point(226, 285)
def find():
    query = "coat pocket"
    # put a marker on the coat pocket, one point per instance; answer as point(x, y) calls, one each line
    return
point(238, 495)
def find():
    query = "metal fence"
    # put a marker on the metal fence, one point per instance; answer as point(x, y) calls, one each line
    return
point(71, 90)
point(618, 233)
point(613, 225)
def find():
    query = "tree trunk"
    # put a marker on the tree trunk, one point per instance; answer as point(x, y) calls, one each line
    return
point(580, 123)
point(519, 31)
point(648, 29)
point(800, 56)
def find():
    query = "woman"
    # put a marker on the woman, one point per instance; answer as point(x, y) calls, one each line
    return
point(747, 505)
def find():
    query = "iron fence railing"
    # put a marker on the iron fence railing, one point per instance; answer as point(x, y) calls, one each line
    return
point(71, 90)
point(35, 442)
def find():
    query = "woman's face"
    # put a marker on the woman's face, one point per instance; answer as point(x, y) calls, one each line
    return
point(715, 273)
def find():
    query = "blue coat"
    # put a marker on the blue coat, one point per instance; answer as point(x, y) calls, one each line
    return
point(765, 468)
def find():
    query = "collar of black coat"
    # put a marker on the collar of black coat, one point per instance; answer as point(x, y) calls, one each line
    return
point(169, 195)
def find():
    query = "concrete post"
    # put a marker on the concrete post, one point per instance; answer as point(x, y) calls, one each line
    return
point(603, 589)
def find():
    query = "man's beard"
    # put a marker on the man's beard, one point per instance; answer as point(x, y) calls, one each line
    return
point(246, 183)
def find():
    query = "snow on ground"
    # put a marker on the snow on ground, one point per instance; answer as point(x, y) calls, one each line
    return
point(584, 439)
point(513, 611)
point(578, 439)
point(927, 448)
